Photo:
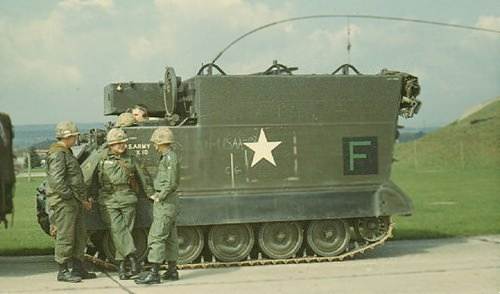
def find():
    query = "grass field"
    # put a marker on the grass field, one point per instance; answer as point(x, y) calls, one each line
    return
point(25, 236)
point(447, 203)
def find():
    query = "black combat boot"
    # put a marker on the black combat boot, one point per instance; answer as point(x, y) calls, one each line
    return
point(171, 274)
point(79, 271)
point(64, 275)
point(152, 277)
point(134, 265)
point(122, 271)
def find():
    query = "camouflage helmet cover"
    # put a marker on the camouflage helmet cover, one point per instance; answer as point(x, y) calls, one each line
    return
point(66, 129)
point(125, 119)
point(162, 135)
point(116, 136)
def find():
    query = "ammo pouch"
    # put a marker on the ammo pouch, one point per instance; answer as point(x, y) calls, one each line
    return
point(132, 179)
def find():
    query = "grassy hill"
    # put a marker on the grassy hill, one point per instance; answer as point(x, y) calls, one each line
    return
point(453, 178)
point(471, 142)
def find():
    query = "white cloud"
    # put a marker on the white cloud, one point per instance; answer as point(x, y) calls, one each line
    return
point(55, 73)
point(81, 4)
point(142, 48)
point(232, 13)
point(489, 22)
point(334, 38)
point(44, 49)
point(34, 51)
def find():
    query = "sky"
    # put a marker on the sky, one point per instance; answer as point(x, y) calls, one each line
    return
point(57, 56)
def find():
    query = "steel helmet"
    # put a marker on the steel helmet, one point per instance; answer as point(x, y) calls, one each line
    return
point(162, 135)
point(66, 129)
point(125, 119)
point(116, 136)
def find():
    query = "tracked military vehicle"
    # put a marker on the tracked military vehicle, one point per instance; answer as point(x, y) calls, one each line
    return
point(276, 167)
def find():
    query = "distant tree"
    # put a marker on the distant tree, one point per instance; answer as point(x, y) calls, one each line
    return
point(35, 158)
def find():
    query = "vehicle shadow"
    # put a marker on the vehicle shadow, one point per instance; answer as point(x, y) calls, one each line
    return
point(190, 274)
point(396, 248)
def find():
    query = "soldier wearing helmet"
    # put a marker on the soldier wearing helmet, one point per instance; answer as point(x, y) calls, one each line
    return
point(162, 239)
point(125, 119)
point(119, 177)
point(67, 196)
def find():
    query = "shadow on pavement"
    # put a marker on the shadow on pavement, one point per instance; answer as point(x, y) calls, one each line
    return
point(190, 274)
point(19, 266)
point(411, 247)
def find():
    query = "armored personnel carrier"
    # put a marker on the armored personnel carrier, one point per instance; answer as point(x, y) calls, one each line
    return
point(276, 167)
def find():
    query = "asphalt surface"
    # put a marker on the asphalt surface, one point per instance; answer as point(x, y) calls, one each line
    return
point(462, 265)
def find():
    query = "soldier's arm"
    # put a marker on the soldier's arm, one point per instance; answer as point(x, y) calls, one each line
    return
point(169, 169)
point(81, 193)
point(91, 172)
point(56, 170)
point(144, 177)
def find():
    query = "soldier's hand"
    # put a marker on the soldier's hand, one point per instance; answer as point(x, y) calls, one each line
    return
point(53, 231)
point(87, 205)
point(155, 197)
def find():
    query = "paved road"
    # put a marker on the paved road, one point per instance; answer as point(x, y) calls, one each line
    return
point(455, 266)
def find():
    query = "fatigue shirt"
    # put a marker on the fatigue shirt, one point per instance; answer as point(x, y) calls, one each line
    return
point(166, 183)
point(64, 175)
point(113, 174)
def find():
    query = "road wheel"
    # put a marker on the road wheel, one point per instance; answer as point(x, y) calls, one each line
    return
point(281, 239)
point(231, 242)
point(372, 229)
point(190, 244)
point(328, 237)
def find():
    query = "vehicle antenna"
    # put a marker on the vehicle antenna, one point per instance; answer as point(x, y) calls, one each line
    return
point(348, 41)
point(366, 16)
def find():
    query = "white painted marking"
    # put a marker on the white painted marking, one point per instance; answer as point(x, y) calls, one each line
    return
point(263, 149)
point(232, 169)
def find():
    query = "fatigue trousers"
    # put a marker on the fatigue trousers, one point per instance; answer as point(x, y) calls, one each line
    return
point(71, 234)
point(162, 239)
point(120, 222)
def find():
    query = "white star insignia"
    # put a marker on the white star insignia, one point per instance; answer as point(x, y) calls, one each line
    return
point(263, 149)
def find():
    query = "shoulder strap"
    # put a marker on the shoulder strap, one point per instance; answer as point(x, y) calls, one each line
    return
point(124, 166)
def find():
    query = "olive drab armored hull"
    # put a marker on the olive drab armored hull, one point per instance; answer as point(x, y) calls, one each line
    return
point(275, 166)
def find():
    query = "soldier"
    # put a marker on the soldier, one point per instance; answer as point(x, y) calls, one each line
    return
point(118, 175)
point(140, 113)
point(67, 197)
point(125, 119)
point(7, 176)
point(162, 239)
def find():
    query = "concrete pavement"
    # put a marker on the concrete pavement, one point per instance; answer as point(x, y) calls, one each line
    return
point(460, 265)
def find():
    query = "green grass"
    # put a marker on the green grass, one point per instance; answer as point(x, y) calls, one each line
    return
point(449, 203)
point(453, 177)
point(25, 237)
point(471, 143)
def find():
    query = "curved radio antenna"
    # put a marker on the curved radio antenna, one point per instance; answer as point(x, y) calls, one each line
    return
point(376, 17)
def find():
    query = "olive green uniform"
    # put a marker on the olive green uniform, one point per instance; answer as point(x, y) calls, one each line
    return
point(65, 192)
point(118, 180)
point(162, 239)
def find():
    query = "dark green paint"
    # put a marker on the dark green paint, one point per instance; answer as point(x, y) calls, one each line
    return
point(336, 136)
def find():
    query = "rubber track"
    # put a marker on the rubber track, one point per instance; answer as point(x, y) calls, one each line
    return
point(296, 260)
